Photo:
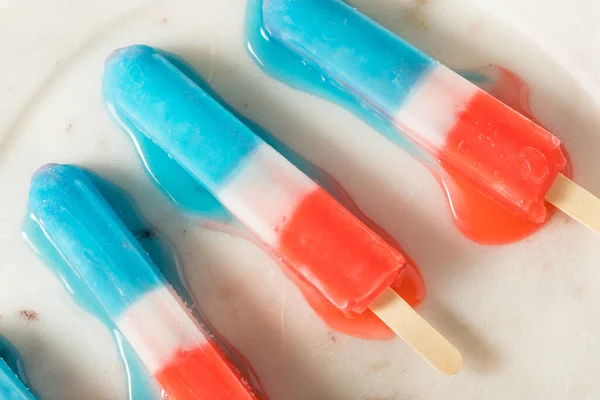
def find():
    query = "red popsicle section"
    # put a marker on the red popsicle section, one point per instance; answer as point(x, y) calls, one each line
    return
point(409, 286)
point(522, 159)
point(202, 373)
point(478, 216)
point(324, 240)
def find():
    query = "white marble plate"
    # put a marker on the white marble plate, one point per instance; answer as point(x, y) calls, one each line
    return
point(526, 316)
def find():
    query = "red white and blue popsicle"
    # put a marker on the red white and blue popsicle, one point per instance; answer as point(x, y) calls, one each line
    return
point(95, 243)
point(506, 155)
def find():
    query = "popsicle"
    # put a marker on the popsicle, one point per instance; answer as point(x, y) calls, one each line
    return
point(95, 243)
point(509, 157)
point(192, 199)
point(11, 387)
point(320, 241)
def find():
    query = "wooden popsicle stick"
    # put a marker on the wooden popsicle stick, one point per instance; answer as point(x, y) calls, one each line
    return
point(575, 201)
point(422, 337)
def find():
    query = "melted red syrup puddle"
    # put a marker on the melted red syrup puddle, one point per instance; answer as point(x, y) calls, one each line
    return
point(477, 216)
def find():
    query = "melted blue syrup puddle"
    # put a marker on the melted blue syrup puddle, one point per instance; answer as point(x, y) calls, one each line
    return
point(12, 358)
point(140, 384)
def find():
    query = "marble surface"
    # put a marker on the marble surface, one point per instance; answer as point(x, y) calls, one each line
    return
point(524, 315)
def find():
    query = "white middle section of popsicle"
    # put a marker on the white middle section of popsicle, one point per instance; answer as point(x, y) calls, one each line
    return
point(434, 106)
point(265, 192)
point(157, 326)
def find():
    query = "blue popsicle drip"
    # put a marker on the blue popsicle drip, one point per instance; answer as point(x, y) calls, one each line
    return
point(14, 384)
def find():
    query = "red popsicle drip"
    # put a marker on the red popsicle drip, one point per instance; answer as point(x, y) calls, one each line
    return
point(479, 217)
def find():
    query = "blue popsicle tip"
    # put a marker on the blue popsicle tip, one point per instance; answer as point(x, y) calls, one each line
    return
point(90, 237)
point(143, 89)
